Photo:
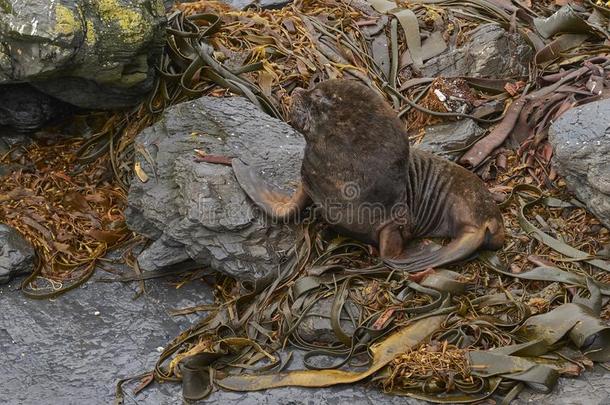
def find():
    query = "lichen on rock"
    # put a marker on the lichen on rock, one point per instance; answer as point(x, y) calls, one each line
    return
point(91, 54)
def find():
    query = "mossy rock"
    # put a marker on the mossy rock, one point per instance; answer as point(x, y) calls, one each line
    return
point(92, 54)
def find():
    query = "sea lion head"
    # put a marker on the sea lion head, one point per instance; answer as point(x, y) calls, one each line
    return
point(317, 112)
point(308, 106)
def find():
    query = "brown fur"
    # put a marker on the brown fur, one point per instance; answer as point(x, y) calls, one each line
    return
point(358, 168)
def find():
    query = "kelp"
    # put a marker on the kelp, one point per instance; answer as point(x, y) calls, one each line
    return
point(73, 216)
point(380, 318)
point(370, 305)
point(474, 346)
point(488, 327)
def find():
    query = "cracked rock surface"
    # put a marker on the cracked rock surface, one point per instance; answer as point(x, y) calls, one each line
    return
point(489, 52)
point(197, 211)
point(448, 140)
point(581, 145)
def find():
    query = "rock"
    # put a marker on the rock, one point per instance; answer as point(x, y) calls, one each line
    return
point(444, 138)
point(27, 109)
point(9, 138)
point(489, 52)
point(198, 210)
point(316, 327)
point(268, 4)
point(16, 254)
point(86, 355)
point(581, 144)
point(91, 54)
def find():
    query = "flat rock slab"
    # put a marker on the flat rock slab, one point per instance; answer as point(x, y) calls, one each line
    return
point(61, 353)
point(581, 145)
point(197, 211)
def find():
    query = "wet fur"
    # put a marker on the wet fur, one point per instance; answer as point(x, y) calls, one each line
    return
point(355, 138)
point(358, 169)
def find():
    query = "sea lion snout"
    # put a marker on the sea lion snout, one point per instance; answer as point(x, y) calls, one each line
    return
point(298, 92)
point(299, 113)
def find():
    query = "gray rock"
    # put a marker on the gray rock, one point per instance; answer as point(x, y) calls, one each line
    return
point(16, 254)
point(89, 54)
point(489, 52)
point(581, 144)
point(444, 139)
point(316, 327)
point(80, 359)
point(269, 4)
point(198, 210)
point(27, 109)
point(9, 138)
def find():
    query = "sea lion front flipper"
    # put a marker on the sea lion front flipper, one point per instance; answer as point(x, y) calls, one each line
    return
point(275, 202)
point(391, 240)
point(459, 248)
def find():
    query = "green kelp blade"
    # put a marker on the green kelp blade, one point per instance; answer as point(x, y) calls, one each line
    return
point(464, 397)
point(551, 242)
point(383, 352)
point(382, 6)
point(197, 375)
point(492, 261)
point(445, 281)
point(594, 302)
point(410, 26)
point(565, 20)
point(537, 376)
point(579, 323)
point(555, 48)
point(434, 45)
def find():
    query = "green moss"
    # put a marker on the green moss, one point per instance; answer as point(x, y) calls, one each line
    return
point(65, 21)
point(90, 38)
point(130, 22)
point(159, 7)
point(6, 6)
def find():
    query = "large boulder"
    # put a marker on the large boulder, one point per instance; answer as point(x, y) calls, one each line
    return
point(197, 211)
point(490, 51)
point(581, 141)
point(16, 254)
point(91, 54)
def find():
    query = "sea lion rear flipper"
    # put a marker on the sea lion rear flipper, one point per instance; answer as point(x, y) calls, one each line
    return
point(459, 248)
point(275, 202)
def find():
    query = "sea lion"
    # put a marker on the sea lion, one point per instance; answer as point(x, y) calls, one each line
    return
point(357, 167)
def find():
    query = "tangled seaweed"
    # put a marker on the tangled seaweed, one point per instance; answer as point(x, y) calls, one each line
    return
point(73, 217)
point(519, 318)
